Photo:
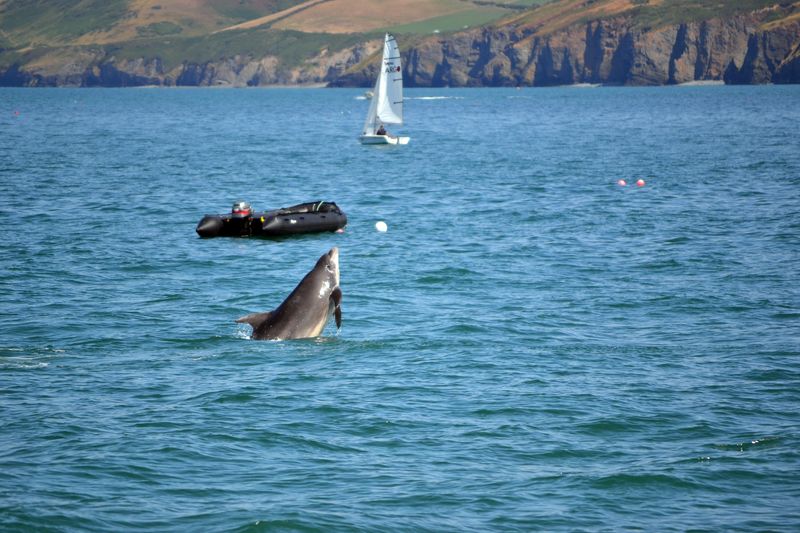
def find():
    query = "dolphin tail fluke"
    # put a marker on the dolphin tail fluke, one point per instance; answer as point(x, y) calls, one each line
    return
point(254, 319)
point(336, 296)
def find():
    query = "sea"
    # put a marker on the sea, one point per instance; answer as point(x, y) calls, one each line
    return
point(530, 346)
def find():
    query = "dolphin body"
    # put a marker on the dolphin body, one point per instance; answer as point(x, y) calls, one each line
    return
point(307, 309)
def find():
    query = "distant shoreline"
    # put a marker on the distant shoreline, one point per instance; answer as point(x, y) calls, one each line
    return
point(700, 83)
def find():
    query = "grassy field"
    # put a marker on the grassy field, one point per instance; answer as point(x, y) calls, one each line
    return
point(449, 23)
point(559, 14)
point(347, 16)
point(239, 10)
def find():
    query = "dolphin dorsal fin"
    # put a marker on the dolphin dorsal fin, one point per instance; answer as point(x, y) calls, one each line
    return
point(254, 319)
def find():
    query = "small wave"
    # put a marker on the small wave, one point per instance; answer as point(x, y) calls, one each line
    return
point(771, 375)
point(748, 445)
point(434, 98)
point(628, 481)
point(463, 330)
point(605, 426)
point(41, 350)
point(660, 265)
point(307, 442)
point(446, 274)
point(678, 240)
point(21, 363)
point(500, 411)
point(786, 316)
point(236, 397)
point(16, 358)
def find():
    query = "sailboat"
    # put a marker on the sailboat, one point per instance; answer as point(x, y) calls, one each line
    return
point(386, 106)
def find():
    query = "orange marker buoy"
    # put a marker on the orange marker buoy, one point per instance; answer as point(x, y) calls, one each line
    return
point(640, 183)
point(622, 183)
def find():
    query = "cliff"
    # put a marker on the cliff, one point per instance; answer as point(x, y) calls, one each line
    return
point(98, 68)
point(619, 48)
point(616, 51)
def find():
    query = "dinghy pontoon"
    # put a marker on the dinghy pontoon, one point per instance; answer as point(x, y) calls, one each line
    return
point(311, 217)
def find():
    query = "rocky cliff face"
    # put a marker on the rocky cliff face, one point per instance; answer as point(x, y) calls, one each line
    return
point(614, 51)
point(96, 69)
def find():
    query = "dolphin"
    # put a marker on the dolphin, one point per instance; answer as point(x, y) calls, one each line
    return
point(306, 310)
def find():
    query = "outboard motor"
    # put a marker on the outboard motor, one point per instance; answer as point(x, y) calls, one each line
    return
point(241, 209)
point(240, 220)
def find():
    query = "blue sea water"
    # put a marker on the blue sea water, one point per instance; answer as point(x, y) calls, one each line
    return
point(529, 347)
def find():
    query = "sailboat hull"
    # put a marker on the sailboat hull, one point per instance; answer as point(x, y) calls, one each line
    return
point(383, 139)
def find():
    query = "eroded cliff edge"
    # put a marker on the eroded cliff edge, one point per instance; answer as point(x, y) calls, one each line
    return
point(739, 50)
point(758, 47)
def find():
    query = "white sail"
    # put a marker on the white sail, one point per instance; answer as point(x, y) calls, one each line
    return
point(390, 102)
point(386, 106)
point(371, 124)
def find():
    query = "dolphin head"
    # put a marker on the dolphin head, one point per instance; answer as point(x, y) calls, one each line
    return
point(329, 263)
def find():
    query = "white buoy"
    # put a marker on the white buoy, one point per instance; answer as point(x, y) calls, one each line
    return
point(381, 226)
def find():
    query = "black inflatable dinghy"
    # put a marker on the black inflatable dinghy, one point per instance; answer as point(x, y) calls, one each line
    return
point(311, 217)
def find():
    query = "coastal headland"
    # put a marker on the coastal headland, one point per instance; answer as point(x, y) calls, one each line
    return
point(458, 44)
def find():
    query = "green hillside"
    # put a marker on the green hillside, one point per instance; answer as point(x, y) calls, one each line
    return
point(25, 23)
point(33, 30)
point(49, 22)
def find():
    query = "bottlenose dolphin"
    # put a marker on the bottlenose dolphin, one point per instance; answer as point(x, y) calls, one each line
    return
point(307, 309)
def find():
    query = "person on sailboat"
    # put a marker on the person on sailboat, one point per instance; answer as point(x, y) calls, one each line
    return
point(381, 131)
